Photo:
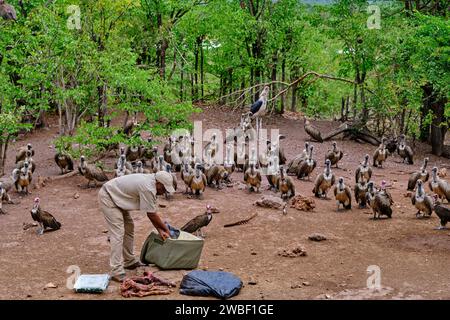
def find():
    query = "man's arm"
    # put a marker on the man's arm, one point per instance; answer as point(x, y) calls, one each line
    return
point(159, 225)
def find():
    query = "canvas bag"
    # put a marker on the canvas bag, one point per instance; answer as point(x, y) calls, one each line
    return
point(181, 253)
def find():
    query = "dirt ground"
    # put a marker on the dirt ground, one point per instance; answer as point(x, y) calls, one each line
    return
point(413, 257)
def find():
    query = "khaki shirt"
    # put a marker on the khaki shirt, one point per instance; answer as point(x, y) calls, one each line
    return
point(133, 192)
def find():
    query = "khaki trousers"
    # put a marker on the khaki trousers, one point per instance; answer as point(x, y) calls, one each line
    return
point(121, 232)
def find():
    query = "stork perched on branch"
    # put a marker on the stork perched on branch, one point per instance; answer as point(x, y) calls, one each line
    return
point(258, 109)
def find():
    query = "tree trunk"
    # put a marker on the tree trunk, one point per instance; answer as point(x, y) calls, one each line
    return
point(3, 153)
point(283, 79)
point(182, 81)
point(202, 74)
point(274, 78)
point(164, 46)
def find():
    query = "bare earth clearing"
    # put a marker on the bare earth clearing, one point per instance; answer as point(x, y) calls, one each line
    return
point(413, 257)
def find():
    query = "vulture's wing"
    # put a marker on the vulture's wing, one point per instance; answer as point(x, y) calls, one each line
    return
point(49, 221)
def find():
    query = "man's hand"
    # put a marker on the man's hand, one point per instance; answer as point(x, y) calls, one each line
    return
point(159, 225)
point(164, 235)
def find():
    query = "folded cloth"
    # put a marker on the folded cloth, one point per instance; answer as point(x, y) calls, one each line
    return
point(173, 232)
point(219, 284)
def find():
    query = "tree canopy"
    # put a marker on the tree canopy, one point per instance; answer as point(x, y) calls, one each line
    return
point(86, 61)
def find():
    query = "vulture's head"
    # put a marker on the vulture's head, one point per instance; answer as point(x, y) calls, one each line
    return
point(419, 187)
point(36, 205)
point(434, 171)
point(334, 144)
point(122, 150)
point(341, 183)
point(82, 159)
point(26, 164)
point(209, 211)
point(265, 92)
point(366, 159)
point(383, 185)
point(139, 164)
point(29, 147)
point(168, 168)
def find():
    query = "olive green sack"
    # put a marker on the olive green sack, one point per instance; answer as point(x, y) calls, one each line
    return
point(181, 253)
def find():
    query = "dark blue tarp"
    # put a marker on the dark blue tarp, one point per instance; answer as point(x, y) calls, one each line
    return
point(219, 284)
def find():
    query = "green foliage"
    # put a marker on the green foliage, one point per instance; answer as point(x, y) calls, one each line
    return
point(114, 63)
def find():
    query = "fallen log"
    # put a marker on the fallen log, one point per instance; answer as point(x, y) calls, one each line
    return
point(67, 175)
point(352, 131)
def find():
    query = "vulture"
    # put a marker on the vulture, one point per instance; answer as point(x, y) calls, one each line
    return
point(167, 150)
point(162, 164)
point(273, 174)
point(186, 175)
point(343, 195)
point(122, 162)
point(258, 109)
point(132, 153)
point(265, 157)
point(242, 160)
point(197, 182)
point(155, 160)
point(439, 186)
point(212, 147)
point(64, 161)
point(6, 183)
point(119, 162)
point(422, 202)
point(91, 172)
point(229, 163)
point(405, 151)
point(324, 181)
point(28, 159)
point(168, 168)
point(7, 11)
point(274, 148)
point(217, 174)
point(312, 131)
point(148, 153)
point(130, 124)
point(22, 152)
point(22, 178)
point(443, 212)
point(307, 166)
point(44, 218)
point(140, 168)
point(422, 174)
point(391, 145)
point(361, 190)
point(380, 155)
point(4, 197)
point(293, 165)
point(334, 155)
point(285, 185)
point(122, 169)
point(252, 178)
point(199, 222)
point(364, 170)
point(379, 201)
